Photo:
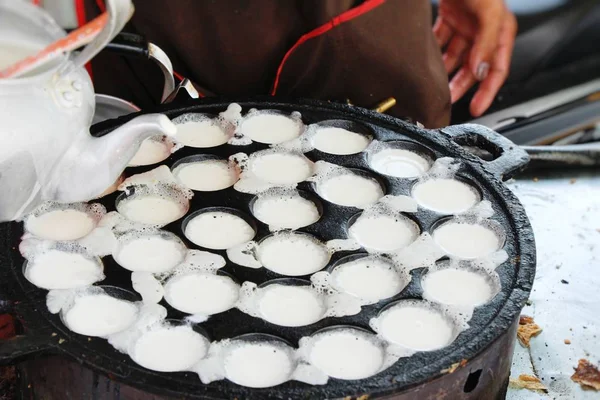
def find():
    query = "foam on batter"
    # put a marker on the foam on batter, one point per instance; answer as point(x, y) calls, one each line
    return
point(153, 198)
point(202, 131)
point(157, 206)
point(284, 209)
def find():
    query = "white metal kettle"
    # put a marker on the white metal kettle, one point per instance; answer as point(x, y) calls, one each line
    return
point(46, 150)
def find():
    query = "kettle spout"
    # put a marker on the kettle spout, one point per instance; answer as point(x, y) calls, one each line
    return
point(93, 164)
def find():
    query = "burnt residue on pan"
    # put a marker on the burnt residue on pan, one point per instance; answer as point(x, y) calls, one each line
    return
point(489, 325)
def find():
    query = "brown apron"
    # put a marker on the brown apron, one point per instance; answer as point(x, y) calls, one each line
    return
point(365, 51)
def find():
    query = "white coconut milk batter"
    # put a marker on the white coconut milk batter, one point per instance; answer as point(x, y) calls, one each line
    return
point(218, 230)
point(350, 190)
point(339, 141)
point(151, 151)
point(61, 224)
point(415, 327)
point(293, 254)
point(270, 128)
point(384, 233)
point(203, 133)
point(281, 168)
point(201, 293)
point(151, 209)
point(466, 240)
point(399, 163)
point(285, 210)
point(207, 175)
point(288, 305)
point(446, 196)
point(370, 279)
point(169, 348)
point(346, 354)
point(99, 315)
point(57, 269)
point(150, 252)
point(258, 364)
point(457, 287)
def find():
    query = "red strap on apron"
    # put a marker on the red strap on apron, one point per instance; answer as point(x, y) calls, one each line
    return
point(346, 16)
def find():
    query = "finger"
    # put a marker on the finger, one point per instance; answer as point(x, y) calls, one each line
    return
point(486, 40)
point(442, 32)
point(460, 83)
point(454, 53)
point(488, 89)
point(455, 19)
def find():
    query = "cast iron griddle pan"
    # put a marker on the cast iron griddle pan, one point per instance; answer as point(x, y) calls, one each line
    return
point(46, 334)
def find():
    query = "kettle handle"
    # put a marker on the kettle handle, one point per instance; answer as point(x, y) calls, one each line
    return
point(119, 12)
point(136, 45)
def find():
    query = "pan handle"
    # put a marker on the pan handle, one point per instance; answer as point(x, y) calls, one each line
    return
point(19, 347)
point(508, 159)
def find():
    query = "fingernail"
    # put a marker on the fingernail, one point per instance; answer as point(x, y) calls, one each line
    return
point(482, 71)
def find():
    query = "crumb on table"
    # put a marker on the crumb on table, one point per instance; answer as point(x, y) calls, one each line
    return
point(587, 375)
point(527, 382)
point(527, 329)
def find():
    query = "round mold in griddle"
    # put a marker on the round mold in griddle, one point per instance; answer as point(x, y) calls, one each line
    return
point(299, 313)
point(205, 160)
point(161, 195)
point(488, 340)
point(320, 187)
point(369, 289)
point(257, 133)
point(108, 325)
point(290, 221)
point(199, 299)
point(263, 350)
point(219, 134)
point(436, 203)
point(469, 247)
point(217, 236)
point(275, 260)
point(169, 353)
point(409, 160)
point(405, 231)
point(340, 128)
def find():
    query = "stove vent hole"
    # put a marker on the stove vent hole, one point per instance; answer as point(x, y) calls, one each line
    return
point(472, 381)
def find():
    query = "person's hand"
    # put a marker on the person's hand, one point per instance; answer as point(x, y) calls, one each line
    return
point(478, 37)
